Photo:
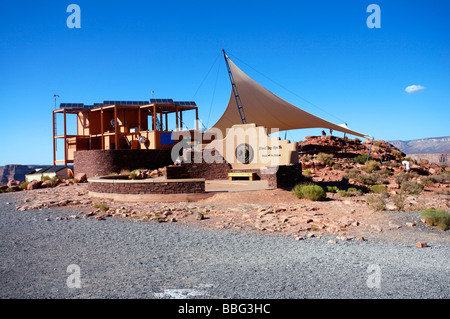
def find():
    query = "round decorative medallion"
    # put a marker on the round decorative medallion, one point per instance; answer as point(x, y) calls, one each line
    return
point(244, 153)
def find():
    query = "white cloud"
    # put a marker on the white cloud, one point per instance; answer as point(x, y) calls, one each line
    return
point(414, 88)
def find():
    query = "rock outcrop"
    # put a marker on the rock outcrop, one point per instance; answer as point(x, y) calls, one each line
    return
point(349, 148)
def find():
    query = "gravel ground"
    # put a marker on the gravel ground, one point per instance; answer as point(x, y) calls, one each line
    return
point(120, 258)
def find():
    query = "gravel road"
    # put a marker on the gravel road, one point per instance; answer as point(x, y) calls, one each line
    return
point(118, 258)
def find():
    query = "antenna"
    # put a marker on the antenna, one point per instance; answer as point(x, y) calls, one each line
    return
point(55, 96)
point(235, 91)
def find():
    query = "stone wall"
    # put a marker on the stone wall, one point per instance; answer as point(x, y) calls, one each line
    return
point(282, 176)
point(104, 162)
point(147, 187)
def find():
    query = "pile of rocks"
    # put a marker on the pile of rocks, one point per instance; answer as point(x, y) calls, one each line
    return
point(14, 185)
point(146, 173)
point(349, 148)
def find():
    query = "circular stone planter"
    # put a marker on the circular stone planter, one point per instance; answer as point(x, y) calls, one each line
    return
point(121, 188)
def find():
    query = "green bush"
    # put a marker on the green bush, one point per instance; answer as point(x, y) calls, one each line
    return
point(378, 189)
point(411, 187)
point(436, 217)
point(24, 185)
point(332, 189)
point(103, 207)
point(352, 191)
point(325, 158)
point(311, 192)
point(371, 166)
point(361, 159)
point(307, 173)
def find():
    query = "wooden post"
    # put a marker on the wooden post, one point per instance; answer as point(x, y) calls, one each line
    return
point(139, 120)
point(116, 133)
point(101, 127)
point(154, 117)
point(196, 119)
point(65, 140)
point(54, 140)
point(181, 120)
point(167, 125)
point(177, 118)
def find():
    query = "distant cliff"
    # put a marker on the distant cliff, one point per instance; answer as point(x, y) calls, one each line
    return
point(16, 172)
point(432, 145)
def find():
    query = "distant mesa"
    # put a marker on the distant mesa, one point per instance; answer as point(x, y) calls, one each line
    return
point(17, 172)
point(424, 145)
point(433, 149)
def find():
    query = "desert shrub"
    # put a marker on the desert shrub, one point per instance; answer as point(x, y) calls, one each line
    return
point(401, 177)
point(361, 159)
point(411, 187)
point(311, 192)
point(376, 201)
point(379, 189)
point(432, 179)
point(45, 178)
point(386, 172)
point(436, 217)
point(342, 193)
point(396, 153)
point(352, 191)
point(332, 189)
point(306, 158)
point(399, 201)
point(368, 179)
point(132, 175)
point(371, 166)
point(325, 158)
point(337, 166)
point(24, 185)
point(307, 173)
point(103, 207)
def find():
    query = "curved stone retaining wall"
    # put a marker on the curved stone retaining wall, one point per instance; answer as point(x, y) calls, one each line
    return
point(116, 185)
point(103, 162)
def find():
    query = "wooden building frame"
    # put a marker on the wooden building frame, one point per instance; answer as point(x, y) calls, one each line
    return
point(120, 126)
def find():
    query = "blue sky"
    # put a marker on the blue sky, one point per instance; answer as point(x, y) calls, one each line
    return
point(318, 55)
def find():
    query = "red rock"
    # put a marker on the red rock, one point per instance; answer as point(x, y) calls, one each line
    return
point(421, 244)
point(80, 177)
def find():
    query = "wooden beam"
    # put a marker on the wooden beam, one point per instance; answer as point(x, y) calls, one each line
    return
point(65, 139)
point(116, 131)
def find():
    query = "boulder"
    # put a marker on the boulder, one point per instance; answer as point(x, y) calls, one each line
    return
point(34, 184)
point(80, 177)
point(13, 183)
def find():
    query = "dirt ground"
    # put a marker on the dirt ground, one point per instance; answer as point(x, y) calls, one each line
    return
point(269, 211)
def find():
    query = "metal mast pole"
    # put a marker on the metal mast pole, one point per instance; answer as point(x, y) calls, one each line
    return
point(235, 91)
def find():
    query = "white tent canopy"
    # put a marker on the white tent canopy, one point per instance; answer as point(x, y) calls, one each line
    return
point(264, 108)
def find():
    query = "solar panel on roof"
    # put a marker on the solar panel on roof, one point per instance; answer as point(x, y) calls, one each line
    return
point(161, 101)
